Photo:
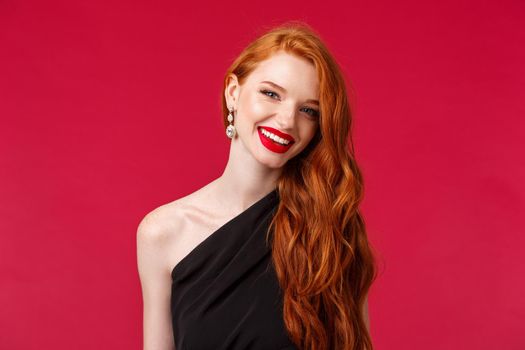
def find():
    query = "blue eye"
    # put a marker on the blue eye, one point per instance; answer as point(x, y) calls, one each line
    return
point(310, 111)
point(266, 92)
point(313, 112)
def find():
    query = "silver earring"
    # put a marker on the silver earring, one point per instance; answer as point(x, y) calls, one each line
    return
point(230, 130)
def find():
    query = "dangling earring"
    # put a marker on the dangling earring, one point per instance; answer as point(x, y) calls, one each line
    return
point(230, 130)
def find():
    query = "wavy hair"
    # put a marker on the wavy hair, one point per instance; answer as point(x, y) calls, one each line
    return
point(323, 260)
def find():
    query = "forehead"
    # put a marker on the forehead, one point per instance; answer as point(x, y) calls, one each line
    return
point(288, 70)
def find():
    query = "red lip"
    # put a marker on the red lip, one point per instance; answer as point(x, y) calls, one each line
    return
point(272, 145)
point(279, 133)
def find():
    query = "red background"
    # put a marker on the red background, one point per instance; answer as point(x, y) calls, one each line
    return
point(99, 102)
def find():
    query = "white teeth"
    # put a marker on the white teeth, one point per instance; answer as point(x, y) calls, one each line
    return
point(274, 137)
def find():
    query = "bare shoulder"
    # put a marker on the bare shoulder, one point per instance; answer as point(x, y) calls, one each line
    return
point(162, 222)
point(160, 226)
point(168, 230)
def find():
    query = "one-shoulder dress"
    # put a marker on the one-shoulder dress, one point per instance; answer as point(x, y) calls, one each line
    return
point(225, 294)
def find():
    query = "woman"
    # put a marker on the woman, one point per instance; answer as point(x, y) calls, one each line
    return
point(273, 254)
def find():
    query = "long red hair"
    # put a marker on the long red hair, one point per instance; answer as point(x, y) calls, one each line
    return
point(320, 251)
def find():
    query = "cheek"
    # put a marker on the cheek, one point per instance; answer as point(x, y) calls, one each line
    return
point(258, 109)
point(253, 109)
point(308, 131)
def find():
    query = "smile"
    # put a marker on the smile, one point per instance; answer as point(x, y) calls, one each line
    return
point(275, 140)
point(274, 137)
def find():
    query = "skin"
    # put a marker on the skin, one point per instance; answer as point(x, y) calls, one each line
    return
point(170, 232)
point(285, 111)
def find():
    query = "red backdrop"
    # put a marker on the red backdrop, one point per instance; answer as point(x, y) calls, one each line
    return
point(98, 101)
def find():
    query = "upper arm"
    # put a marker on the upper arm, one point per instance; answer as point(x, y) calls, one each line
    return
point(155, 279)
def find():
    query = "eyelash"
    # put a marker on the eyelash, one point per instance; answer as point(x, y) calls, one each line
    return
point(315, 112)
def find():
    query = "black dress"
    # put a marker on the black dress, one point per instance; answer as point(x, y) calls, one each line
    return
point(225, 294)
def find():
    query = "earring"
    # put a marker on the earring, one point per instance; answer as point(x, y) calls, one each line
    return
point(230, 130)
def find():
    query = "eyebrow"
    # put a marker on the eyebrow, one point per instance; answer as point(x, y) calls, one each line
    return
point(283, 89)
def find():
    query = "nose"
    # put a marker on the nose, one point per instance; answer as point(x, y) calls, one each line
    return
point(286, 118)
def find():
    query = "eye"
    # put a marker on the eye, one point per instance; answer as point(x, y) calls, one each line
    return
point(267, 92)
point(313, 112)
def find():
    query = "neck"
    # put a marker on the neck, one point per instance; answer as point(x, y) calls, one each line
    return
point(245, 179)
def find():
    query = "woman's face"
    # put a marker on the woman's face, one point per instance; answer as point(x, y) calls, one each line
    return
point(278, 100)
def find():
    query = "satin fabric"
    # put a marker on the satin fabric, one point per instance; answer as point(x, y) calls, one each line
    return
point(225, 294)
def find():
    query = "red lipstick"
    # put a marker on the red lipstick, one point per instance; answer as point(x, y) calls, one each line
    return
point(272, 145)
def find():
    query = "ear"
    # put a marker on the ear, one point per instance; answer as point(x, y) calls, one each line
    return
point(232, 90)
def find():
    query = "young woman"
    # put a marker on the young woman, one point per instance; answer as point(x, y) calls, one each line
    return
point(273, 254)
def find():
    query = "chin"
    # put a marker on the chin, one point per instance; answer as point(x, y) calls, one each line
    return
point(274, 163)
